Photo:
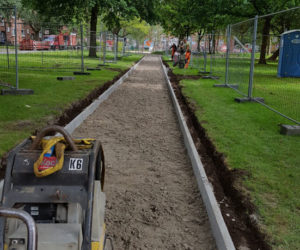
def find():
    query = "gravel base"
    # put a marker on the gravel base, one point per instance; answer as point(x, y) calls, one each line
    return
point(152, 196)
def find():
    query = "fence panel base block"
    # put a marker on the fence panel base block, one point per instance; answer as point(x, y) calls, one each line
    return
point(234, 86)
point(17, 92)
point(91, 69)
point(289, 129)
point(81, 73)
point(210, 77)
point(65, 78)
point(247, 99)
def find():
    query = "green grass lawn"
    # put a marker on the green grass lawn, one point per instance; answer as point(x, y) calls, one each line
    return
point(281, 94)
point(52, 59)
point(21, 115)
point(249, 137)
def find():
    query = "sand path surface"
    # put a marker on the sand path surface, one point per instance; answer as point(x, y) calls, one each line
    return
point(152, 196)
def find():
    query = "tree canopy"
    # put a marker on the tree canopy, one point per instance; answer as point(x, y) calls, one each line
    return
point(180, 18)
point(112, 11)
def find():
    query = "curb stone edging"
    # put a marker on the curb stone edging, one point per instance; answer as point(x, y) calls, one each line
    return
point(218, 226)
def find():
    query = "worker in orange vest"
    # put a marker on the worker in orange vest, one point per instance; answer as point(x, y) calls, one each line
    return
point(187, 57)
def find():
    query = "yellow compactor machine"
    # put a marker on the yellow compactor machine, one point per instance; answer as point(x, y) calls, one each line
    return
point(52, 194)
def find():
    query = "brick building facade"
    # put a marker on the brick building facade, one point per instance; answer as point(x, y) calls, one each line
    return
point(23, 31)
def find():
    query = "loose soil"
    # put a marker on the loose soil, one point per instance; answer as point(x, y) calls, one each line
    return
point(191, 77)
point(152, 197)
point(236, 207)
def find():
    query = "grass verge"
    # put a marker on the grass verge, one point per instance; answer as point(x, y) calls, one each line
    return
point(21, 115)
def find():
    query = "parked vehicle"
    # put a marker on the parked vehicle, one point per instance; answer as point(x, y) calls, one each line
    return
point(61, 41)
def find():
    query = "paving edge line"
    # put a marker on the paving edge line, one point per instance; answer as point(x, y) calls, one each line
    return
point(218, 226)
point(78, 120)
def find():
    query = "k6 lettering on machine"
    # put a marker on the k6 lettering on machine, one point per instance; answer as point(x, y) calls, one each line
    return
point(75, 164)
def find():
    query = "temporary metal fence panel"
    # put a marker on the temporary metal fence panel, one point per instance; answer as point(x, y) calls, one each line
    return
point(281, 94)
point(108, 47)
point(206, 49)
point(8, 65)
point(195, 54)
point(252, 62)
point(239, 58)
point(50, 46)
point(208, 54)
point(218, 56)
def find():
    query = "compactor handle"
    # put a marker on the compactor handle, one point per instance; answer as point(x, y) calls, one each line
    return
point(57, 129)
point(28, 220)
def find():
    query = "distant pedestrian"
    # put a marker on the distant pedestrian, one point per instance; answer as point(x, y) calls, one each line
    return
point(187, 56)
point(174, 48)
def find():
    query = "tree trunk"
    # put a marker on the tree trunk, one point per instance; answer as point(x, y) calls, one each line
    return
point(274, 56)
point(214, 44)
point(93, 29)
point(199, 40)
point(117, 45)
point(210, 44)
point(264, 42)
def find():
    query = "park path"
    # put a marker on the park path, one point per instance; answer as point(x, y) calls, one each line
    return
point(152, 196)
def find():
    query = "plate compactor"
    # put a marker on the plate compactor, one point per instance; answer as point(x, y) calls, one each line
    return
point(52, 194)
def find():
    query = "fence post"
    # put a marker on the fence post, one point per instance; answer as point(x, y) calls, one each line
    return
point(15, 90)
point(100, 36)
point(211, 52)
point(81, 41)
point(115, 48)
point(227, 54)
point(16, 50)
point(104, 47)
point(123, 49)
point(204, 57)
point(250, 87)
point(226, 84)
point(250, 98)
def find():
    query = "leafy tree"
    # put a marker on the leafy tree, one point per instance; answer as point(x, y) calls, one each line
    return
point(176, 17)
point(281, 23)
point(138, 29)
point(250, 8)
point(113, 11)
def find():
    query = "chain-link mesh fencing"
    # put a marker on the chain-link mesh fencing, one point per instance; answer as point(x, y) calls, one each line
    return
point(277, 65)
point(208, 53)
point(218, 56)
point(239, 57)
point(8, 67)
point(263, 61)
point(108, 47)
point(50, 46)
point(198, 54)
